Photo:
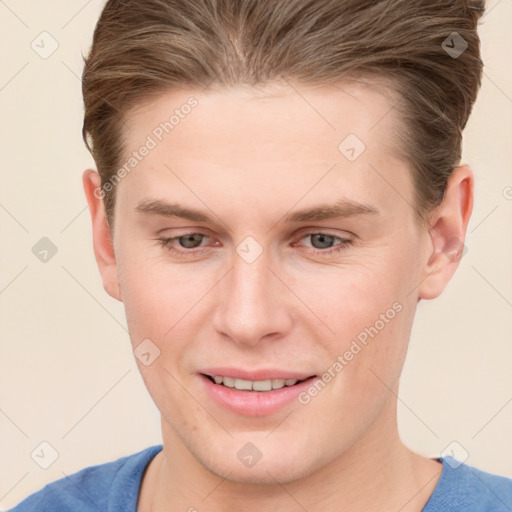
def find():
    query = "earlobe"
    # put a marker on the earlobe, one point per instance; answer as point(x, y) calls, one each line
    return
point(447, 233)
point(102, 239)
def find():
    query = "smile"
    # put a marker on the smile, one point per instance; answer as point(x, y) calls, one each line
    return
point(253, 397)
point(250, 385)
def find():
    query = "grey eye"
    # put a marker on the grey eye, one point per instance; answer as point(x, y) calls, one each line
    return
point(189, 240)
point(324, 240)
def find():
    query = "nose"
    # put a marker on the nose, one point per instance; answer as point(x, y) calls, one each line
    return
point(253, 303)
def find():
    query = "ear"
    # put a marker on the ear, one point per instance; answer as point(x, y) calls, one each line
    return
point(102, 239)
point(447, 233)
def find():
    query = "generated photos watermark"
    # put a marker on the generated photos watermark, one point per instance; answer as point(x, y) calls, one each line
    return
point(357, 345)
point(152, 140)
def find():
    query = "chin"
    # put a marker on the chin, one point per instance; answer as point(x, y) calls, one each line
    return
point(270, 472)
point(261, 461)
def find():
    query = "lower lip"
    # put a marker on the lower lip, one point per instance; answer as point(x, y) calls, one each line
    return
point(254, 403)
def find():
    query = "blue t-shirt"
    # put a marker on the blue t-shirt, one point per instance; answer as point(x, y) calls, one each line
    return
point(114, 487)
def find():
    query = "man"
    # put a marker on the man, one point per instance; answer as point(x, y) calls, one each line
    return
point(279, 184)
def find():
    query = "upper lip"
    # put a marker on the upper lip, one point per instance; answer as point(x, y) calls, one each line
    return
point(255, 375)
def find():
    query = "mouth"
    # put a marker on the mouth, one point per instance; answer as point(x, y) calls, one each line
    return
point(250, 386)
point(259, 393)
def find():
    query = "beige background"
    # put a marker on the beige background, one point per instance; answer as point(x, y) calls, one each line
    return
point(67, 373)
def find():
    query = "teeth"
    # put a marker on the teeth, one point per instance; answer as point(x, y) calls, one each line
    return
point(262, 385)
point(250, 385)
point(277, 383)
point(243, 384)
point(228, 381)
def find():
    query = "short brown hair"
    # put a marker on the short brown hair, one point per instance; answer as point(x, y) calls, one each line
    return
point(142, 49)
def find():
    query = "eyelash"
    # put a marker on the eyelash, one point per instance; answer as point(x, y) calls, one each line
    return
point(343, 246)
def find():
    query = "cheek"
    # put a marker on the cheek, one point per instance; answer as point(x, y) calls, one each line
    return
point(158, 297)
point(159, 305)
point(352, 297)
point(370, 312)
point(375, 353)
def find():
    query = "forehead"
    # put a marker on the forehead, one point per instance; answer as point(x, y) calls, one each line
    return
point(224, 116)
point(256, 140)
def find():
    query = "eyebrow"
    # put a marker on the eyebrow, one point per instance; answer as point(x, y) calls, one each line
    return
point(341, 209)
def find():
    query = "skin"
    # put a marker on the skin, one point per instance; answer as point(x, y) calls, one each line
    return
point(247, 157)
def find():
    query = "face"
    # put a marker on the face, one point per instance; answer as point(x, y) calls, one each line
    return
point(243, 250)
